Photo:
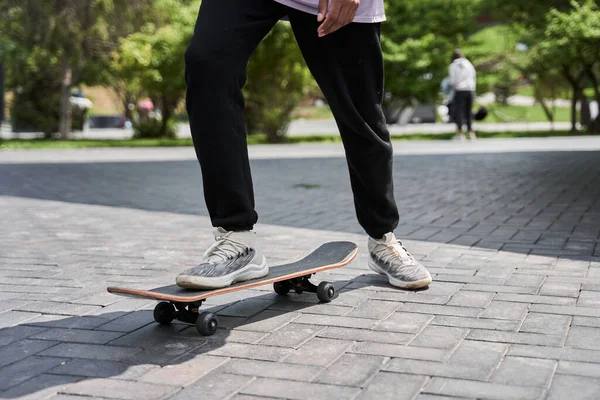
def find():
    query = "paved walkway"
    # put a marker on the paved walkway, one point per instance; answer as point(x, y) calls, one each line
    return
point(511, 237)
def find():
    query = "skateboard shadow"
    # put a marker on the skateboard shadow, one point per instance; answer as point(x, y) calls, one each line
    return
point(48, 354)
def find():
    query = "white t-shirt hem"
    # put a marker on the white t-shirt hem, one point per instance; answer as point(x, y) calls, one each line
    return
point(363, 19)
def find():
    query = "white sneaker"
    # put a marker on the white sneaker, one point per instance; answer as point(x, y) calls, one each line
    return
point(389, 257)
point(232, 258)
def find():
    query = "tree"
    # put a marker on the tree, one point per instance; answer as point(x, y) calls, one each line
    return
point(51, 46)
point(152, 61)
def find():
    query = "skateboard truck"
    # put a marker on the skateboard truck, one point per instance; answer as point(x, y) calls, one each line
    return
point(206, 322)
point(325, 291)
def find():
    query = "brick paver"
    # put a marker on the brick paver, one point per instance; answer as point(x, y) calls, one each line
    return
point(512, 240)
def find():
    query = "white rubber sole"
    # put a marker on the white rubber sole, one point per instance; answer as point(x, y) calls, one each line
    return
point(250, 271)
point(397, 282)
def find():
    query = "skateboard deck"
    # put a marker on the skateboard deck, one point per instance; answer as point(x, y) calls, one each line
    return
point(182, 304)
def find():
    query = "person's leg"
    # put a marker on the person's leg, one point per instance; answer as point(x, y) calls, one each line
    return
point(226, 34)
point(348, 66)
point(468, 110)
point(459, 100)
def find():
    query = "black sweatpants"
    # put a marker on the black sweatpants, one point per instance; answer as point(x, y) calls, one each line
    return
point(348, 67)
point(463, 109)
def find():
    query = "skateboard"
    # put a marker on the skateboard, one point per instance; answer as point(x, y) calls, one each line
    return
point(183, 304)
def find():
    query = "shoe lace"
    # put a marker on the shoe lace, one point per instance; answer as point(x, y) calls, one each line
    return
point(397, 251)
point(224, 248)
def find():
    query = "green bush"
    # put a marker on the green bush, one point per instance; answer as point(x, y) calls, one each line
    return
point(152, 128)
point(277, 81)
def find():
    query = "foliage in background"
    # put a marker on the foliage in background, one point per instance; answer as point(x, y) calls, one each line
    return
point(50, 46)
point(561, 39)
point(277, 80)
point(151, 62)
point(418, 39)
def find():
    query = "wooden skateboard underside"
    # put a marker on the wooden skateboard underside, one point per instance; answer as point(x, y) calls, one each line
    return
point(329, 256)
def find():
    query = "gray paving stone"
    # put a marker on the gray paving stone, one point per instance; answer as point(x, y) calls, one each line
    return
point(566, 310)
point(471, 299)
point(297, 390)
point(439, 337)
point(291, 335)
point(536, 299)
point(91, 351)
point(364, 335)
point(393, 386)
point(586, 321)
point(119, 389)
point(330, 320)
point(589, 299)
point(42, 387)
point(578, 368)
point(374, 309)
point(102, 369)
point(404, 322)
point(457, 387)
point(519, 371)
point(515, 337)
point(430, 368)
point(214, 386)
point(475, 287)
point(77, 336)
point(183, 372)
point(480, 323)
point(555, 353)
point(518, 279)
point(22, 349)
point(583, 337)
point(566, 386)
point(440, 310)
point(129, 322)
point(242, 350)
point(17, 333)
point(266, 369)
point(397, 351)
point(548, 324)
point(12, 318)
point(351, 370)
point(478, 354)
point(318, 351)
point(25, 369)
point(505, 310)
point(564, 289)
point(60, 321)
point(46, 307)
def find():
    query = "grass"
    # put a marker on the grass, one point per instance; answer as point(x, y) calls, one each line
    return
point(312, 113)
point(18, 144)
point(499, 113)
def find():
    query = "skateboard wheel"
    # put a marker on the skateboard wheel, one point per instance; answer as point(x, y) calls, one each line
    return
point(325, 292)
point(207, 324)
point(164, 313)
point(281, 288)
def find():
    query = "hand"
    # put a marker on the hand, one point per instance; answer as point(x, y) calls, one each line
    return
point(342, 12)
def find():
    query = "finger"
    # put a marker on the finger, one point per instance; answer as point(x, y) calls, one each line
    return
point(330, 21)
point(322, 10)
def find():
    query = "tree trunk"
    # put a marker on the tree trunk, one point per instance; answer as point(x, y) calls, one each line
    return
point(166, 116)
point(574, 111)
point(64, 119)
point(540, 99)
